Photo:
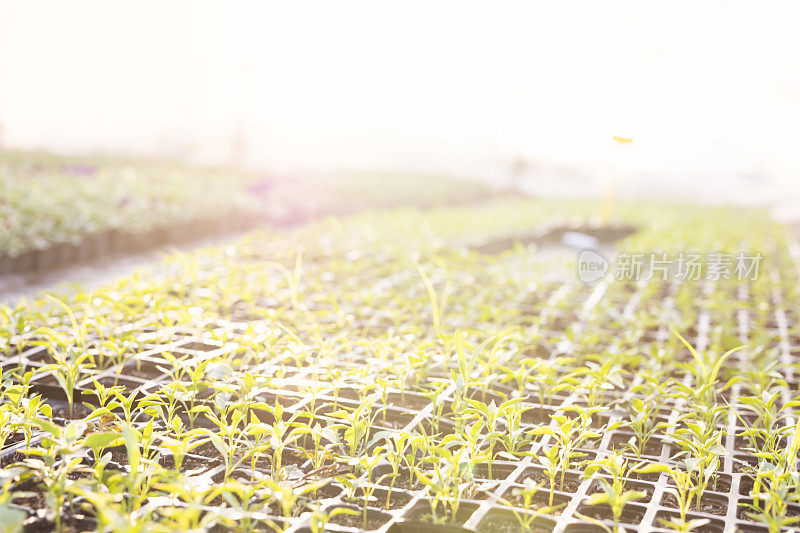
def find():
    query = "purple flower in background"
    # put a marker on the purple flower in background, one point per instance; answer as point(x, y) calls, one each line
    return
point(261, 188)
point(79, 170)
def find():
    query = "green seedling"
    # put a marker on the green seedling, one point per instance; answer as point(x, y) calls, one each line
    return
point(685, 491)
point(527, 519)
point(613, 493)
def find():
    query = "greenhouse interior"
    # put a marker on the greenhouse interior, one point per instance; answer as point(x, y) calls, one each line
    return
point(399, 267)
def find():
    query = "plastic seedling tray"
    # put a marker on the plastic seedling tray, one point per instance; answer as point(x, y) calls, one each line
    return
point(406, 505)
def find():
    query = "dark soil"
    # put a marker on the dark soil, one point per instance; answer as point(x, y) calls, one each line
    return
point(571, 482)
point(715, 526)
point(116, 381)
point(408, 401)
point(191, 462)
point(14, 438)
point(207, 450)
point(485, 396)
point(289, 457)
point(374, 520)
point(398, 499)
point(36, 500)
point(10, 458)
point(597, 487)
point(722, 484)
point(537, 415)
point(542, 497)
point(652, 448)
point(403, 482)
point(499, 471)
point(69, 524)
point(630, 514)
point(496, 523)
point(143, 372)
point(652, 477)
point(78, 412)
point(422, 512)
point(391, 422)
point(328, 491)
point(746, 486)
point(707, 505)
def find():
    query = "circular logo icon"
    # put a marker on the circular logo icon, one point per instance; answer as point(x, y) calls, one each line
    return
point(591, 266)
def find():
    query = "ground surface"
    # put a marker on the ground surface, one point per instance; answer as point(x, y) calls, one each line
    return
point(410, 365)
point(73, 278)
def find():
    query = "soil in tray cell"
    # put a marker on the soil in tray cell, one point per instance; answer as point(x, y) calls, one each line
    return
point(631, 514)
point(116, 381)
point(422, 512)
point(571, 481)
point(714, 526)
point(289, 457)
point(620, 442)
point(597, 487)
point(501, 521)
point(62, 412)
point(69, 523)
point(409, 400)
point(396, 500)
point(745, 506)
point(709, 503)
point(145, 371)
point(323, 493)
point(375, 519)
point(403, 481)
point(542, 497)
point(393, 419)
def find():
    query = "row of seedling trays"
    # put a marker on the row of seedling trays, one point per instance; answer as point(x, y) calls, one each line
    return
point(116, 242)
point(405, 501)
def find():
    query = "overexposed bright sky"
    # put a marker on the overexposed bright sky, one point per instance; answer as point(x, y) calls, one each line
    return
point(699, 86)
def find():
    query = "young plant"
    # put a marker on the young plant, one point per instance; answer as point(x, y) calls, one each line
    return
point(613, 493)
point(642, 422)
point(55, 461)
point(702, 448)
point(550, 461)
point(703, 390)
point(773, 490)
point(437, 398)
point(594, 380)
point(356, 424)
point(446, 483)
point(513, 438)
point(11, 518)
point(419, 444)
point(527, 519)
point(547, 378)
point(68, 370)
point(462, 376)
point(569, 434)
point(685, 491)
point(489, 418)
point(396, 447)
point(320, 517)
point(367, 463)
point(280, 433)
point(767, 431)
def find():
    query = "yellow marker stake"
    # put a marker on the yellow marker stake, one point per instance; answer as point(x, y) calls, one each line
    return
point(608, 198)
point(608, 201)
